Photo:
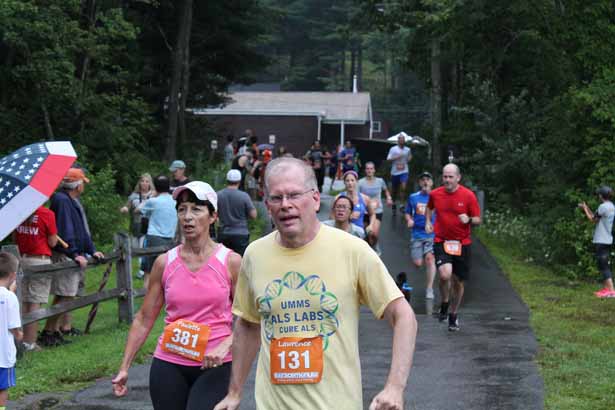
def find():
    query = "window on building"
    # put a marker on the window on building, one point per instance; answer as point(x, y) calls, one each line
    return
point(376, 126)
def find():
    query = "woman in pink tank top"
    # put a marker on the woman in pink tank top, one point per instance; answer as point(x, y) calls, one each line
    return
point(195, 283)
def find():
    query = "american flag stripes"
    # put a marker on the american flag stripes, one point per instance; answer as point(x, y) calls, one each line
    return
point(28, 177)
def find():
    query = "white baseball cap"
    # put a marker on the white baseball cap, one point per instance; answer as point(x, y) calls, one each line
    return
point(202, 190)
point(234, 175)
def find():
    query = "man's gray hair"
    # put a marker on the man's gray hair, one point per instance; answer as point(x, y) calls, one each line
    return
point(70, 185)
point(282, 165)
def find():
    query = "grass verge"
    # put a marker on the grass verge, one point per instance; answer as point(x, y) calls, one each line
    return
point(88, 357)
point(575, 331)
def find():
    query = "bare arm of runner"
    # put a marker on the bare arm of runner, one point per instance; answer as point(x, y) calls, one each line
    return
point(400, 316)
point(428, 224)
point(409, 221)
point(142, 325)
point(253, 213)
point(371, 211)
point(216, 356)
point(245, 347)
point(387, 194)
point(17, 334)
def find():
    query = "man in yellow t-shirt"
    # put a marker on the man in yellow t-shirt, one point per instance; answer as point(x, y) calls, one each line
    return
point(298, 298)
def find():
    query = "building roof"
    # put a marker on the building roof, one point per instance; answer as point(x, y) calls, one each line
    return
point(331, 107)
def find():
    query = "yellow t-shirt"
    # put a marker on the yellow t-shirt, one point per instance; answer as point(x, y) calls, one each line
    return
point(313, 291)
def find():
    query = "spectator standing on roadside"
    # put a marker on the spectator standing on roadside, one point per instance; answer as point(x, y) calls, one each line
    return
point(160, 210)
point(10, 325)
point(234, 209)
point(241, 163)
point(229, 150)
point(178, 168)
point(421, 244)
point(399, 155)
point(457, 210)
point(603, 237)
point(316, 158)
point(35, 238)
point(143, 191)
point(73, 228)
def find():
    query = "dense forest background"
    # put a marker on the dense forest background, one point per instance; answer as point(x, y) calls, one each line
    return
point(523, 91)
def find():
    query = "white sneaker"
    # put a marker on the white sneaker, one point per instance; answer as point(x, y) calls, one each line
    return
point(140, 274)
point(429, 293)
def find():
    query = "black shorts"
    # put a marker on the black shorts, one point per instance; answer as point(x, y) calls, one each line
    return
point(176, 387)
point(461, 264)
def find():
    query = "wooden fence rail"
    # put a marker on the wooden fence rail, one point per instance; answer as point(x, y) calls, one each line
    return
point(124, 292)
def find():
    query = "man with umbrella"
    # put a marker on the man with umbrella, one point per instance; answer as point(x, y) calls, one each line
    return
point(73, 229)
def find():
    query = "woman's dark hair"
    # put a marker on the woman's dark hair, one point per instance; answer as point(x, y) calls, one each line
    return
point(343, 197)
point(188, 196)
point(161, 183)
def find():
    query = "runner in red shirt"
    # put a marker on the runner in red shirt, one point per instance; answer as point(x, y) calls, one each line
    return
point(35, 237)
point(457, 209)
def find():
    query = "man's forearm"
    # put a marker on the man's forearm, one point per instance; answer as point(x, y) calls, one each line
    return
point(246, 342)
point(404, 326)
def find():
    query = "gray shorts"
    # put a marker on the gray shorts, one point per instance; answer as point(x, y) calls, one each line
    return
point(65, 284)
point(420, 247)
point(35, 289)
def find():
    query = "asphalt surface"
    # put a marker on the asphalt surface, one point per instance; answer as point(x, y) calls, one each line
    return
point(488, 364)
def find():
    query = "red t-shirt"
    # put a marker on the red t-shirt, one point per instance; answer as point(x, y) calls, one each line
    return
point(448, 207)
point(31, 235)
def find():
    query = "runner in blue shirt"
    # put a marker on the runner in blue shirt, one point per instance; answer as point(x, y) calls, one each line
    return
point(421, 244)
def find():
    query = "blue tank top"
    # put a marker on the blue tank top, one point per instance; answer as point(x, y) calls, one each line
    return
point(361, 208)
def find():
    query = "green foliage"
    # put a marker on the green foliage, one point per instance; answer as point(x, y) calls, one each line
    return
point(102, 204)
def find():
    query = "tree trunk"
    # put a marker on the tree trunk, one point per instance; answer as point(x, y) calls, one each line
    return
point(47, 120)
point(360, 66)
point(4, 86)
point(342, 70)
point(436, 103)
point(88, 16)
point(185, 85)
point(184, 14)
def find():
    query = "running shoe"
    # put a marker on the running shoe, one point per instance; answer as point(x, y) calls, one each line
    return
point(140, 274)
point(51, 339)
point(73, 331)
point(31, 347)
point(605, 293)
point(453, 323)
point(429, 293)
point(443, 312)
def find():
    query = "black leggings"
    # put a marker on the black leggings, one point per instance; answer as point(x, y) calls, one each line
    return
point(176, 387)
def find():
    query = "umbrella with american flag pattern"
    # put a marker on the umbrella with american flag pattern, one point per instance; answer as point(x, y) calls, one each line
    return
point(28, 177)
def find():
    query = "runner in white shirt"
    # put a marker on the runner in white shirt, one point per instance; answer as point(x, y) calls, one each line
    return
point(400, 155)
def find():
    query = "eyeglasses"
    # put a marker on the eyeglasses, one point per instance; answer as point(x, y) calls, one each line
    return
point(292, 197)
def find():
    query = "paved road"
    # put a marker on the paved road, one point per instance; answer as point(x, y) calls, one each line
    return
point(487, 365)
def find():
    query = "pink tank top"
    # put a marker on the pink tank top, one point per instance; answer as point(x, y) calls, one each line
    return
point(204, 297)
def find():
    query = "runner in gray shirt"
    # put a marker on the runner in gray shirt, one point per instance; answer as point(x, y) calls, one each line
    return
point(234, 209)
point(603, 237)
point(372, 186)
